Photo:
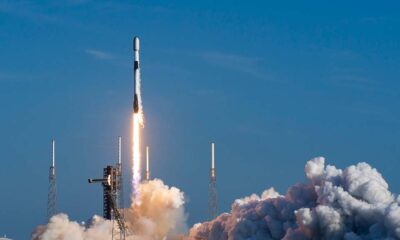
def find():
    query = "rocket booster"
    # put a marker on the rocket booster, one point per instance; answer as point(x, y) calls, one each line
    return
point(136, 72)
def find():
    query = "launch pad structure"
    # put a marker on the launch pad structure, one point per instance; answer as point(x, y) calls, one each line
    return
point(113, 208)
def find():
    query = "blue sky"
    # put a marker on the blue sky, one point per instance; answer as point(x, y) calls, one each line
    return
point(272, 83)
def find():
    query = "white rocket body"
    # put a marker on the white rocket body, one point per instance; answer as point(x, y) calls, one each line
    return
point(136, 75)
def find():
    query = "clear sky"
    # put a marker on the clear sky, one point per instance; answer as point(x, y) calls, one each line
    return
point(273, 84)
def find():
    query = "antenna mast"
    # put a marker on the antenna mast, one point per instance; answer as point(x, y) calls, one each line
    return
point(212, 188)
point(147, 177)
point(52, 194)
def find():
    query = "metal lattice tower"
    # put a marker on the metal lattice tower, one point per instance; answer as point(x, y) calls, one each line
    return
point(147, 174)
point(112, 193)
point(212, 188)
point(120, 192)
point(52, 194)
point(120, 189)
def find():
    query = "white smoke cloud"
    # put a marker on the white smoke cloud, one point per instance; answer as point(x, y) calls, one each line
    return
point(351, 204)
point(160, 212)
point(160, 215)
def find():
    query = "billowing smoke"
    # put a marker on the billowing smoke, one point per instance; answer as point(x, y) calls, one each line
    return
point(351, 204)
point(160, 215)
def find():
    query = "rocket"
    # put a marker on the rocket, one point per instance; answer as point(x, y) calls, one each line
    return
point(136, 72)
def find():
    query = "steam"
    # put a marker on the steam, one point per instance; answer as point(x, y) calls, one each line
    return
point(160, 215)
point(351, 204)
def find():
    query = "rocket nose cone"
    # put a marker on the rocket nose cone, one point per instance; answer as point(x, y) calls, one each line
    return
point(136, 43)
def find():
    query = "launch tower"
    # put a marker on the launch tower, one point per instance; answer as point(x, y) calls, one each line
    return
point(112, 193)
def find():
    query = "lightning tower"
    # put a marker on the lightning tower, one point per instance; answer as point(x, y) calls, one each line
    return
point(147, 177)
point(120, 197)
point(120, 191)
point(52, 194)
point(212, 188)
